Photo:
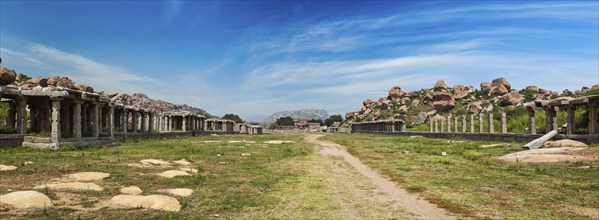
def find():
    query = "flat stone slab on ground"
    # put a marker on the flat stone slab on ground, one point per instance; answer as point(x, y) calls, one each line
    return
point(71, 186)
point(173, 173)
point(565, 143)
point(88, 176)
point(26, 199)
point(549, 155)
point(191, 170)
point(278, 142)
point(160, 202)
point(182, 162)
point(154, 162)
point(184, 192)
point(131, 190)
point(7, 167)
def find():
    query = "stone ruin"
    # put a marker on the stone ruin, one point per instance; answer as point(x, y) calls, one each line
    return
point(54, 112)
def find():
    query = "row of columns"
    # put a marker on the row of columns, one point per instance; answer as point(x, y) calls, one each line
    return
point(551, 118)
point(437, 125)
point(379, 126)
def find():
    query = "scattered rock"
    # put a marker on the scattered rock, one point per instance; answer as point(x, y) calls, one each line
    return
point(395, 94)
point(474, 108)
point(406, 152)
point(443, 153)
point(26, 199)
point(367, 102)
point(512, 98)
point(191, 170)
point(485, 86)
point(131, 190)
point(71, 186)
point(182, 162)
point(88, 176)
point(159, 202)
point(7, 76)
point(183, 192)
point(440, 84)
point(246, 154)
point(7, 167)
point(443, 100)
point(27, 163)
point(546, 155)
point(154, 162)
point(459, 91)
point(173, 173)
point(565, 143)
point(499, 90)
point(533, 88)
point(501, 81)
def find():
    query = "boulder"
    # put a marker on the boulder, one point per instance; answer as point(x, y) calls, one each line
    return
point(85, 88)
point(7, 76)
point(403, 109)
point(544, 91)
point(566, 92)
point(584, 90)
point(65, 82)
point(459, 92)
point(416, 102)
point(43, 82)
point(366, 102)
point(53, 80)
point(395, 94)
point(512, 98)
point(377, 114)
point(499, 90)
point(440, 84)
point(410, 94)
point(501, 81)
point(533, 88)
point(595, 87)
point(565, 143)
point(474, 108)
point(485, 86)
point(420, 118)
point(26, 199)
point(443, 100)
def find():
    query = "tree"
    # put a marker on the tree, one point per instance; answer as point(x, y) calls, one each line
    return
point(285, 121)
point(334, 118)
point(315, 121)
point(233, 117)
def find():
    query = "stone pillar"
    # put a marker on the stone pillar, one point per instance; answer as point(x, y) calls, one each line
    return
point(442, 125)
point(152, 123)
point(491, 125)
point(10, 118)
point(184, 121)
point(532, 129)
point(21, 115)
point(95, 117)
point(55, 130)
point(125, 120)
point(480, 123)
point(77, 119)
point(101, 117)
point(592, 118)
point(472, 123)
point(503, 123)
point(464, 124)
point(455, 124)
point(44, 113)
point(170, 122)
point(436, 125)
point(134, 120)
point(449, 123)
point(430, 125)
point(33, 118)
point(84, 119)
point(110, 120)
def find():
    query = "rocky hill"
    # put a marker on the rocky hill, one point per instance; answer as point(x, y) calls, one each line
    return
point(415, 106)
point(304, 113)
point(143, 101)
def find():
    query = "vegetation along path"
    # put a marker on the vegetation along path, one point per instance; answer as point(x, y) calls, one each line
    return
point(384, 189)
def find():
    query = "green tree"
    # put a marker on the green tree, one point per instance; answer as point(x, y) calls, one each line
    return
point(334, 118)
point(233, 117)
point(316, 121)
point(285, 121)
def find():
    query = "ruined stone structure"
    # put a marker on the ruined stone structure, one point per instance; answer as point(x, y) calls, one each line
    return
point(395, 125)
point(551, 107)
point(54, 118)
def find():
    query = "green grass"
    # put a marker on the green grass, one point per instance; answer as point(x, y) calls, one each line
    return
point(228, 185)
point(471, 183)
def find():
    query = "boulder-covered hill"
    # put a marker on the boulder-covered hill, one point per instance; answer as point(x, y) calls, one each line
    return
point(142, 100)
point(415, 106)
point(303, 113)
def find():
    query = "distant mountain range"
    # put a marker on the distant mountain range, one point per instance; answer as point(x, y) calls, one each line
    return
point(303, 113)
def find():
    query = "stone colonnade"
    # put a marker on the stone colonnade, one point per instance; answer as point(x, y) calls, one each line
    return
point(551, 107)
point(396, 125)
point(437, 123)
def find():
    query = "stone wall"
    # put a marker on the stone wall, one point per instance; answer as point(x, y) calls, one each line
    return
point(510, 137)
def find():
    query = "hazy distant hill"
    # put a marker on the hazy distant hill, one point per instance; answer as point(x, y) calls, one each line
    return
point(304, 113)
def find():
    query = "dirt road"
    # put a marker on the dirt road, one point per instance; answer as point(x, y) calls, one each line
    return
point(384, 190)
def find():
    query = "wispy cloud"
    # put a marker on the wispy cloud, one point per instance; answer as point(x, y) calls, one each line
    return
point(38, 59)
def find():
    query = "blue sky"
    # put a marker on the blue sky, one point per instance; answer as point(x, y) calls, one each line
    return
point(258, 57)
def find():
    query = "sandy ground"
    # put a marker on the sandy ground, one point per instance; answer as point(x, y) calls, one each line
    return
point(384, 191)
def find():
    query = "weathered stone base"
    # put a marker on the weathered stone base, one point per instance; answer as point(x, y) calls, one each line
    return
point(46, 142)
point(586, 138)
point(11, 140)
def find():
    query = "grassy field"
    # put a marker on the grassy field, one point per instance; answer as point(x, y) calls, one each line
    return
point(263, 185)
point(471, 183)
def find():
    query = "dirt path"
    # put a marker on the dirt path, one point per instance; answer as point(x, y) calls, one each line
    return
point(385, 190)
